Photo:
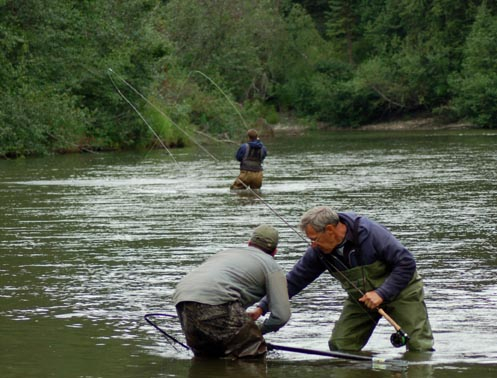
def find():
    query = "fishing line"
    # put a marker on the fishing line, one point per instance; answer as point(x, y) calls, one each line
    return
point(220, 90)
point(110, 70)
point(241, 181)
point(162, 113)
point(273, 210)
point(143, 119)
point(397, 340)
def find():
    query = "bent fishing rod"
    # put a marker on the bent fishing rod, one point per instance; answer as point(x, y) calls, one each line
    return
point(397, 339)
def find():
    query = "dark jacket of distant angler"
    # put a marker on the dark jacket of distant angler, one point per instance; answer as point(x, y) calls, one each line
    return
point(251, 155)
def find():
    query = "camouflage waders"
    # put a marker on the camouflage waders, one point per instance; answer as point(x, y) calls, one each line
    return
point(220, 330)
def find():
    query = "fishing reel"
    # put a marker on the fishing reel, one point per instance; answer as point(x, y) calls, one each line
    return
point(399, 339)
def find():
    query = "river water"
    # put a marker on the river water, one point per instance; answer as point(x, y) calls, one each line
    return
point(91, 243)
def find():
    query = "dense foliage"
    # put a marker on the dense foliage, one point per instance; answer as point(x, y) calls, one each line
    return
point(87, 74)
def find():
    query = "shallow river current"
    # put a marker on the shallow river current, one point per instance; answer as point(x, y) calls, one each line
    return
point(91, 243)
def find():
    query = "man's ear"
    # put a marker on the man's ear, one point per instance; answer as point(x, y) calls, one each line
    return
point(330, 228)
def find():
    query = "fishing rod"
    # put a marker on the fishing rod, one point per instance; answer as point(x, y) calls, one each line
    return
point(398, 339)
point(377, 362)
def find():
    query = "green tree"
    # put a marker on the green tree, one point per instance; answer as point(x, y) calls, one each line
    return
point(403, 51)
point(230, 41)
point(55, 59)
point(317, 9)
point(227, 52)
point(475, 87)
point(302, 60)
point(342, 26)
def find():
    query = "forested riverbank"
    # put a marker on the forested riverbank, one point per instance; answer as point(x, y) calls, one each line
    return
point(93, 75)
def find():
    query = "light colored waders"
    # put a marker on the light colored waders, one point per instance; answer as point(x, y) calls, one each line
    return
point(249, 178)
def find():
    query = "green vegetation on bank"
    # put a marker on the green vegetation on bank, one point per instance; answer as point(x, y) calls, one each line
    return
point(205, 63)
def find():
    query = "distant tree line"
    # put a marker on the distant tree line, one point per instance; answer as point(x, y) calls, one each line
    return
point(86, 74)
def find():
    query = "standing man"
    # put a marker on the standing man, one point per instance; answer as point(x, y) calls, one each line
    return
point(211, 300)
point(374, 268)
point(250, 155)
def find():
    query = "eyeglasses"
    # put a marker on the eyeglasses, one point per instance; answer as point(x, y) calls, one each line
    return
point(316, 239)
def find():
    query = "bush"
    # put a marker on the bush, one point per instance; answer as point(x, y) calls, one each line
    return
point(40, 122)
point(475, 87)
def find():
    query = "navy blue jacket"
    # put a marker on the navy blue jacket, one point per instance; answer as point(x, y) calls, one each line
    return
point(376, 243)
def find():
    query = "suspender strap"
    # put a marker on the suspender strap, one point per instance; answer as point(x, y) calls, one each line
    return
point(355, 236)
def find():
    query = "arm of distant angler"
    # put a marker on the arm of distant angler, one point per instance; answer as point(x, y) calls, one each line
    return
point(240, 153)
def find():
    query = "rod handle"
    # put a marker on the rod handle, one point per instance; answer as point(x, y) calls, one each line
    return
point(389, 319)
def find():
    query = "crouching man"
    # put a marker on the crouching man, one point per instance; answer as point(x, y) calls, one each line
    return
point(211, 300)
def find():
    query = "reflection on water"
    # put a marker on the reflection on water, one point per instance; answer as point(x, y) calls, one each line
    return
point(227, 368)
point(90, 243)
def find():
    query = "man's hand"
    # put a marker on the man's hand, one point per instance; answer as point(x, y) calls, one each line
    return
point(255, 314)
point(371, 300)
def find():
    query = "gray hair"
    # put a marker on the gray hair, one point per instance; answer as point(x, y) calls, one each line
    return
point(319, 217)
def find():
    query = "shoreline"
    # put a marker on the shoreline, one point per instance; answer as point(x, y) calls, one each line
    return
point(426, 123)
point(292, 126)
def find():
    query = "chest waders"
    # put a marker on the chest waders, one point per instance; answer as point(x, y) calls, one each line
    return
point(356, 323)
point(250, 176)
